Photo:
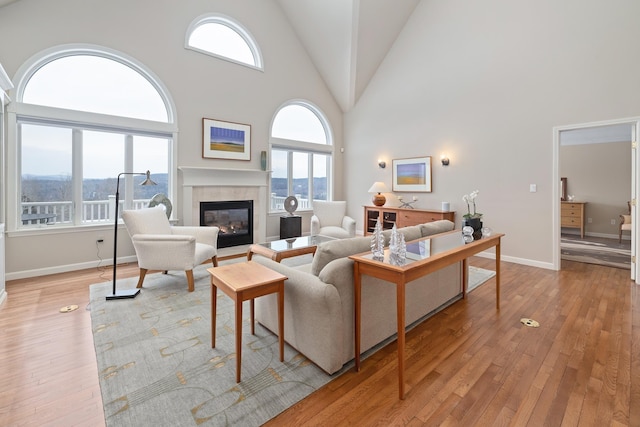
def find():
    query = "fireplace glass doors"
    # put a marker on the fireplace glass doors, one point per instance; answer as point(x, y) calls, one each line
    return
point(233, 218)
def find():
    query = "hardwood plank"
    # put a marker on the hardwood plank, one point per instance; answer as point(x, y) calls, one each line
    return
point(468, 365)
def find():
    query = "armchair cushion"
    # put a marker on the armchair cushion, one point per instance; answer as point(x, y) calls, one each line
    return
point(147, 221)
point(329, 218)
point(329, 213)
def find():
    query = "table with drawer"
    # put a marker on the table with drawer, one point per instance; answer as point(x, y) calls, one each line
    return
point(572, 215)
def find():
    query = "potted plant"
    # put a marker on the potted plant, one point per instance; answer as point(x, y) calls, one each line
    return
point(472, 219)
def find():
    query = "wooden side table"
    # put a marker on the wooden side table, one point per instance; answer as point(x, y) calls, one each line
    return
point(241, 282)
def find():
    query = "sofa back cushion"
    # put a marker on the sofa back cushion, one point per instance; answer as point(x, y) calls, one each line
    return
point(340, 248)
point(435, 227)
point(412, 232)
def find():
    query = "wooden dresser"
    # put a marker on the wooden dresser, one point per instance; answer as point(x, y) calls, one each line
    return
point(572, 215)
point(401, 217)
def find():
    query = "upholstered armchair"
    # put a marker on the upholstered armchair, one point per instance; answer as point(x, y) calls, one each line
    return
point(161, 246)
point(330, 219)
point(625, 222)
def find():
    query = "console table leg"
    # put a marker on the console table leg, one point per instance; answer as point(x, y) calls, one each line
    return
point(357, 297)
point(400, 295)
point(498, 275)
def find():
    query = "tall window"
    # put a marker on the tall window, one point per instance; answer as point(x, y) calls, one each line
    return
point(301, 154)
point(223, 37)
point(84, 115)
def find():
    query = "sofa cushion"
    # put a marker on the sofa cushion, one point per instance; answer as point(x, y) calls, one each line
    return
point(412, 232)
point(435, 227)
point(334, 249)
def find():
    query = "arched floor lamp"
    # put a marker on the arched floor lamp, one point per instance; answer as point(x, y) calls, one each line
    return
point(127, 293)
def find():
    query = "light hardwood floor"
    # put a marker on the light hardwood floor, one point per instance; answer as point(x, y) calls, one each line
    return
point(467, 366)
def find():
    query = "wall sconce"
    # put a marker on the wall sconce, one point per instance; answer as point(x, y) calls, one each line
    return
point(445, 160)
point(382, 164)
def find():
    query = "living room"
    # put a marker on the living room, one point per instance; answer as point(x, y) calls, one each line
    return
point(484, 84)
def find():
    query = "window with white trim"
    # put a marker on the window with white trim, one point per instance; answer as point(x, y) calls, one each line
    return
point(83, 115)
point(224, 38)
point(301, 156)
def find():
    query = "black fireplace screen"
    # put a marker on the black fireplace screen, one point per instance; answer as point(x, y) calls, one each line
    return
point(233, 218)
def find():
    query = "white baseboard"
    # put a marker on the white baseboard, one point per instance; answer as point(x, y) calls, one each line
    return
point(65, 268)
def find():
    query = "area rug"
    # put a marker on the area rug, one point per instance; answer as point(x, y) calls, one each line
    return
point(477, 277)
point(596, 251)
point(157, 367)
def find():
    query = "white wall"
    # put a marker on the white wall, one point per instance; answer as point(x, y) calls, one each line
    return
point(486, 82)
point(153, 32)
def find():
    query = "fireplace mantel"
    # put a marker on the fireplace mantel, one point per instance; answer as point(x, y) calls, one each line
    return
point(210, 184)
point(200, 176)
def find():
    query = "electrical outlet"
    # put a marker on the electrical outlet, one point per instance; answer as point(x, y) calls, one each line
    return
point(613, 222)
point(589, 220)
point(100, 240)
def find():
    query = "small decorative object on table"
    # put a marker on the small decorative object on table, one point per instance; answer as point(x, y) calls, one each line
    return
point(407, 205)
point(290, 204)
point(397, 248)
point(377, 242)
point(474, 219)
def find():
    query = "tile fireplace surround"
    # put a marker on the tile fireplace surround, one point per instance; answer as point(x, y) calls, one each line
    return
point(217, 184)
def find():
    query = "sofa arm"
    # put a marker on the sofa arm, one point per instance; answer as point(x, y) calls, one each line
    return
point(312, 317)
point(315, 225)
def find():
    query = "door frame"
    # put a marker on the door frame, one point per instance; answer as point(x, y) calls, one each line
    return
point(635, 123)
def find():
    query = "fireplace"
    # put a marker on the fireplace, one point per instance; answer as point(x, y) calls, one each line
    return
point(234, 218)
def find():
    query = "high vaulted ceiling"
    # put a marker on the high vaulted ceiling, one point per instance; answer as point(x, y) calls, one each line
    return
point(347, 39)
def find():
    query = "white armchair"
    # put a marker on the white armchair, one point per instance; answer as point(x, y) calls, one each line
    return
point(161, 246)
point(330, 219)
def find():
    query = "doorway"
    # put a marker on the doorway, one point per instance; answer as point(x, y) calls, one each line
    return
point(600, 166)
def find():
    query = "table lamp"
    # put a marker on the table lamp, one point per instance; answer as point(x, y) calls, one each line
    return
point(378, 188)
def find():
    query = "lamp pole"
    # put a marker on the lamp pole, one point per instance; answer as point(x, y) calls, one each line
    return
point(127, 293)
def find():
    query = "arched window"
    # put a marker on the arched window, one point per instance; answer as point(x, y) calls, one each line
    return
point(83, 115)
point(301, 155)
point(224, 38)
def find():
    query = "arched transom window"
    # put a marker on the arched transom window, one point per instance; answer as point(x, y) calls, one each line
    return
point(224, 38)
point(301, 155)
point(84, 115)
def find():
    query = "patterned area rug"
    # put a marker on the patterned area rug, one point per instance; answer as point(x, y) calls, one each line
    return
point(596, 251)
point(157, 367)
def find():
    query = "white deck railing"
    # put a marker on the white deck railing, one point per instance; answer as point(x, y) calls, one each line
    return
point(102, 211)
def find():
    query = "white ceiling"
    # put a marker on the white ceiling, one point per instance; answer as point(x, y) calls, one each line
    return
point(346, 39)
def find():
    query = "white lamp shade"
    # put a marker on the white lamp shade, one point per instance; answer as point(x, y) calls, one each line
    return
point(378, 187)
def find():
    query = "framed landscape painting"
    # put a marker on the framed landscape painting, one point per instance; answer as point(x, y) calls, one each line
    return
point(225, 140)
point(412, 175)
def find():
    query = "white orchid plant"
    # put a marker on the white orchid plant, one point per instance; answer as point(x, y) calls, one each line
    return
point(470, 200)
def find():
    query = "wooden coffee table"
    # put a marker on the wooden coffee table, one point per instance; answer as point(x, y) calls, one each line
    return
point(287, 248)
point(241, 282)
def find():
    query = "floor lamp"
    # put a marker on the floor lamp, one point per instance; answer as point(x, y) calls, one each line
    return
point(127, 293)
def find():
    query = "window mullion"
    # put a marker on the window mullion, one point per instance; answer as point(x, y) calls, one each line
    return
point(77, 176)
point(310, 178)
point(128, 167)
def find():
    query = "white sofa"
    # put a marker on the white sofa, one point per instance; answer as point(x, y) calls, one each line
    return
point(319, 307)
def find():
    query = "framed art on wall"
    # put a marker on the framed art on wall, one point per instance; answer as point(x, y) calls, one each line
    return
point(225, 140)
point(413, 175)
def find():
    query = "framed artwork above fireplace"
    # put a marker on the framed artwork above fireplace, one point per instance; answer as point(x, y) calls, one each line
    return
point(225, 140)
